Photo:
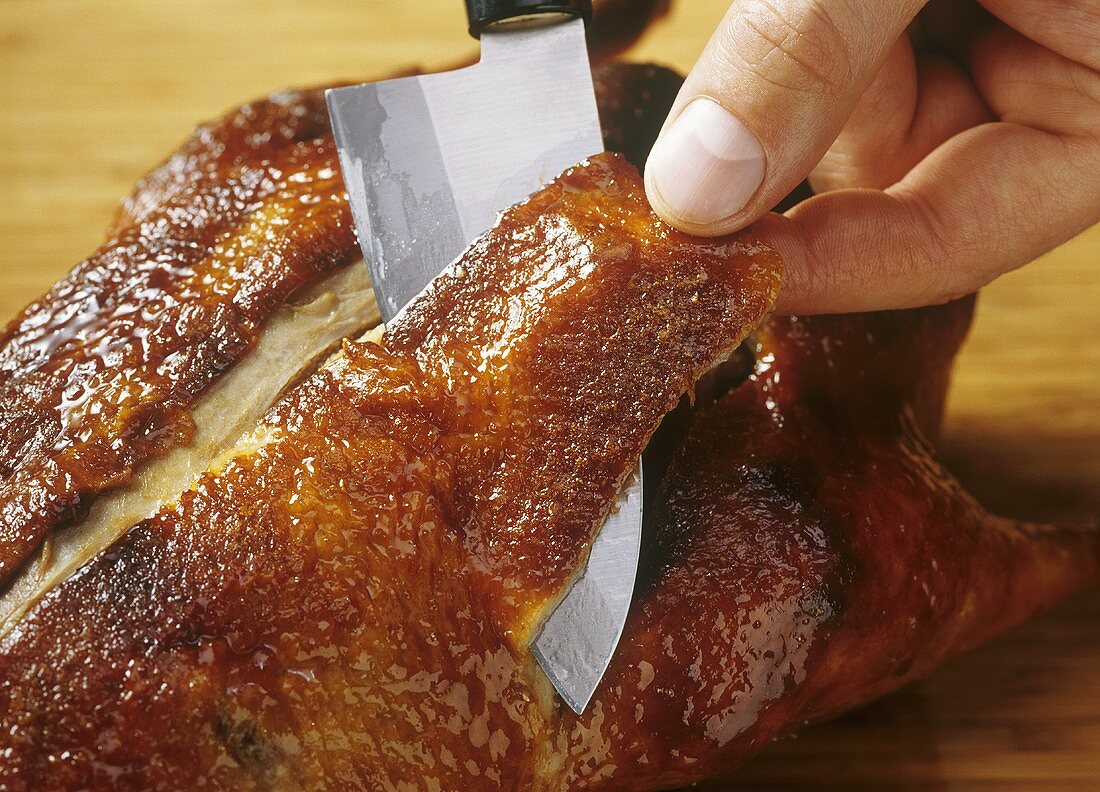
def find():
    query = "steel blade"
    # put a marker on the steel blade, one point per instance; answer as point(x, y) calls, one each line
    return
point(429, 162)
point(579, 638)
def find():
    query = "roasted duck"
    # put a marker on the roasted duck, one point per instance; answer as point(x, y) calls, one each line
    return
point(343, 595)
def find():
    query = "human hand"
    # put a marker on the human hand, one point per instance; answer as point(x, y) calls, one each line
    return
point(949, 142)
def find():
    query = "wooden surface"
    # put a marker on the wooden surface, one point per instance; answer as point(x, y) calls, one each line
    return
point(94, 93)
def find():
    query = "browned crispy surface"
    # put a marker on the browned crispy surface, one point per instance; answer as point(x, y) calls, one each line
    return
point(353, 596)
point(98, 375)
point(329, 607)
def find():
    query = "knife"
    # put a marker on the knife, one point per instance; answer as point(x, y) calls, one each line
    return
point(429, 162)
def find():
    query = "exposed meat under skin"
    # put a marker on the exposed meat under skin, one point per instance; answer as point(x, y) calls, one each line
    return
point(97, 377)
point(348, 597)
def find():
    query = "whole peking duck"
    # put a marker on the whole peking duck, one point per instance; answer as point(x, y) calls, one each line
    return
point(235, 560)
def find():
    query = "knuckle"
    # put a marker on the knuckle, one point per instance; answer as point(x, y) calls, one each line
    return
point(1084, 87)
point(794, 46)
point(962, 254)
point(931, 253)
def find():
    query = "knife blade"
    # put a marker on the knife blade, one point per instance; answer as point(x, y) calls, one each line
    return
point(429, 162)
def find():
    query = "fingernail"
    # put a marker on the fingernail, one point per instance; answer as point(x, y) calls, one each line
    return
point(705, 167)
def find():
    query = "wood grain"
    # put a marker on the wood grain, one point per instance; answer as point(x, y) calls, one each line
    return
point(95, 92)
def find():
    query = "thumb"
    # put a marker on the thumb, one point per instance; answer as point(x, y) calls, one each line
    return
point(767, 98)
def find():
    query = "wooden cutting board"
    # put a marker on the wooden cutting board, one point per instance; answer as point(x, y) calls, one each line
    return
point(94, 92)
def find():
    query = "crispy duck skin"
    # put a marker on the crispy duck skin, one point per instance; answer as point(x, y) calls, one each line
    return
point(349, 596)
point(103, 373)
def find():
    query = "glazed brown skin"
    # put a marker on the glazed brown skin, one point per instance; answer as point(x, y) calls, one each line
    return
point(98, 376)
point(350, 598)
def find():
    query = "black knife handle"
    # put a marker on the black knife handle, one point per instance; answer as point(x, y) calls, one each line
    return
point(495, 14)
